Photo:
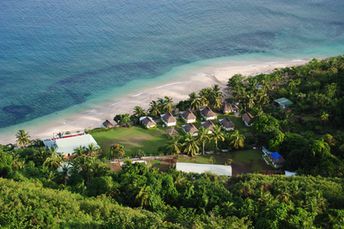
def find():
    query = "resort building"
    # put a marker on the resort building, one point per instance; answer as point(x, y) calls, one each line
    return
point(108, 124)
point(227, 124)
point(247, 119)
point(147, 122)
point(190, 129)
point(66, 144)
point(209, 125)
point(283, 102)
point(208, 114)
point(229, 108)
point(168, 119)
point(274, 159)
point(221, 170)
point(188, 116)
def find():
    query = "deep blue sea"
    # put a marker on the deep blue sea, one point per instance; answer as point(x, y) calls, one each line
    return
point(58, 53)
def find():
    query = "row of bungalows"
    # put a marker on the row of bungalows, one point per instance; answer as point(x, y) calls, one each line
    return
point(189, 118)
point(169, 120)
point(225, 123)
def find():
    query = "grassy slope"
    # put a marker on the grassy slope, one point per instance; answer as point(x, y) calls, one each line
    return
point(133, 139)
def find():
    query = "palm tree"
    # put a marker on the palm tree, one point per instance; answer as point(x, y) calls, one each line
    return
point(125, 120)
point(80, 151)
point(190, 145)
point(203, 137)
point(216, 96)
point(161, 104)
point(23, 138)
point(92, 150)
point(165, 104)
point(217, 136)
point(116, 151)
point(65, 172)
point(139, 111)
point(196, 102)
point(205, 96)
point(54, 161)
point(143, 196)
point(174, 146)
point(17, 163)
point(237, 140)
point(168, 104)
point(154, 109)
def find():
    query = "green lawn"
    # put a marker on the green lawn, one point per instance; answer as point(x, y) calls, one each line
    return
point(245, 161)
point(133, 139)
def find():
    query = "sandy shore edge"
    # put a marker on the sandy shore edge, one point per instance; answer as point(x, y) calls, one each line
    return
point(178, 87)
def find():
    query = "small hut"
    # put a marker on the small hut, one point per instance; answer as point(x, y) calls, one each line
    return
point(227, 124)
point(191, 129)
point(189, 116)
point(108, 124)
point(283, 102)
point(247, 119)
point(147, 122)
point(208, 114)
point(209, 125)
point(168, 119)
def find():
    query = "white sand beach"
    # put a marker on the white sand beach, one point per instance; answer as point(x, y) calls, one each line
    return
point(178, 87)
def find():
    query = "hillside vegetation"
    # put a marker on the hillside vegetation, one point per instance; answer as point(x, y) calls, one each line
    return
point(260, 201)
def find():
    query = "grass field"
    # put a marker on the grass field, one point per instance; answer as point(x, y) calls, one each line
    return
point(245, 161)
point(133, 139)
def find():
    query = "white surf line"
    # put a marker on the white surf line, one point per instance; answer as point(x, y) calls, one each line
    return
point(136, 95)
point(170, 84)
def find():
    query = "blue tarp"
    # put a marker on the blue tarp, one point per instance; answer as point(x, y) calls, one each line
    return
point(276, 156)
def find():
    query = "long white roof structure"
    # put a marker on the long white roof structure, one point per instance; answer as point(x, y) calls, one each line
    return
point(222, 170)
point(67, 145)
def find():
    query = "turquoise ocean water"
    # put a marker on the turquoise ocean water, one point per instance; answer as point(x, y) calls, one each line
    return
point(57, 54)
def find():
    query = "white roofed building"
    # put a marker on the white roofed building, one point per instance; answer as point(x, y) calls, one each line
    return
point(221, 170)
point(66, 145)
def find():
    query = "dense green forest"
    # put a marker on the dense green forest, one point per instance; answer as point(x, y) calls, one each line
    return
point(310, 133)
point(175, 200)
point(39, 189)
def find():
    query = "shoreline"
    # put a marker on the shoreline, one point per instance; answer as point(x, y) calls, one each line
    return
point(177, 84)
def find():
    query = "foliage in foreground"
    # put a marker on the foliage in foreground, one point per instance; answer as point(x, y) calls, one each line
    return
point(25, 204)
point(176, 200)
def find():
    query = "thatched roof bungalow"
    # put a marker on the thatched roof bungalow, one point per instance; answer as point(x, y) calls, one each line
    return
point(168, 119)
point(188, 116)
point(147, 122)
point(108, 124)
point(247, 119)
point(191, 129)
point(208, 114)
point(209, 125)
point(227, 124)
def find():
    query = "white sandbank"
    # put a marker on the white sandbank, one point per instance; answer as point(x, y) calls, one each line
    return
point(178, 85)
